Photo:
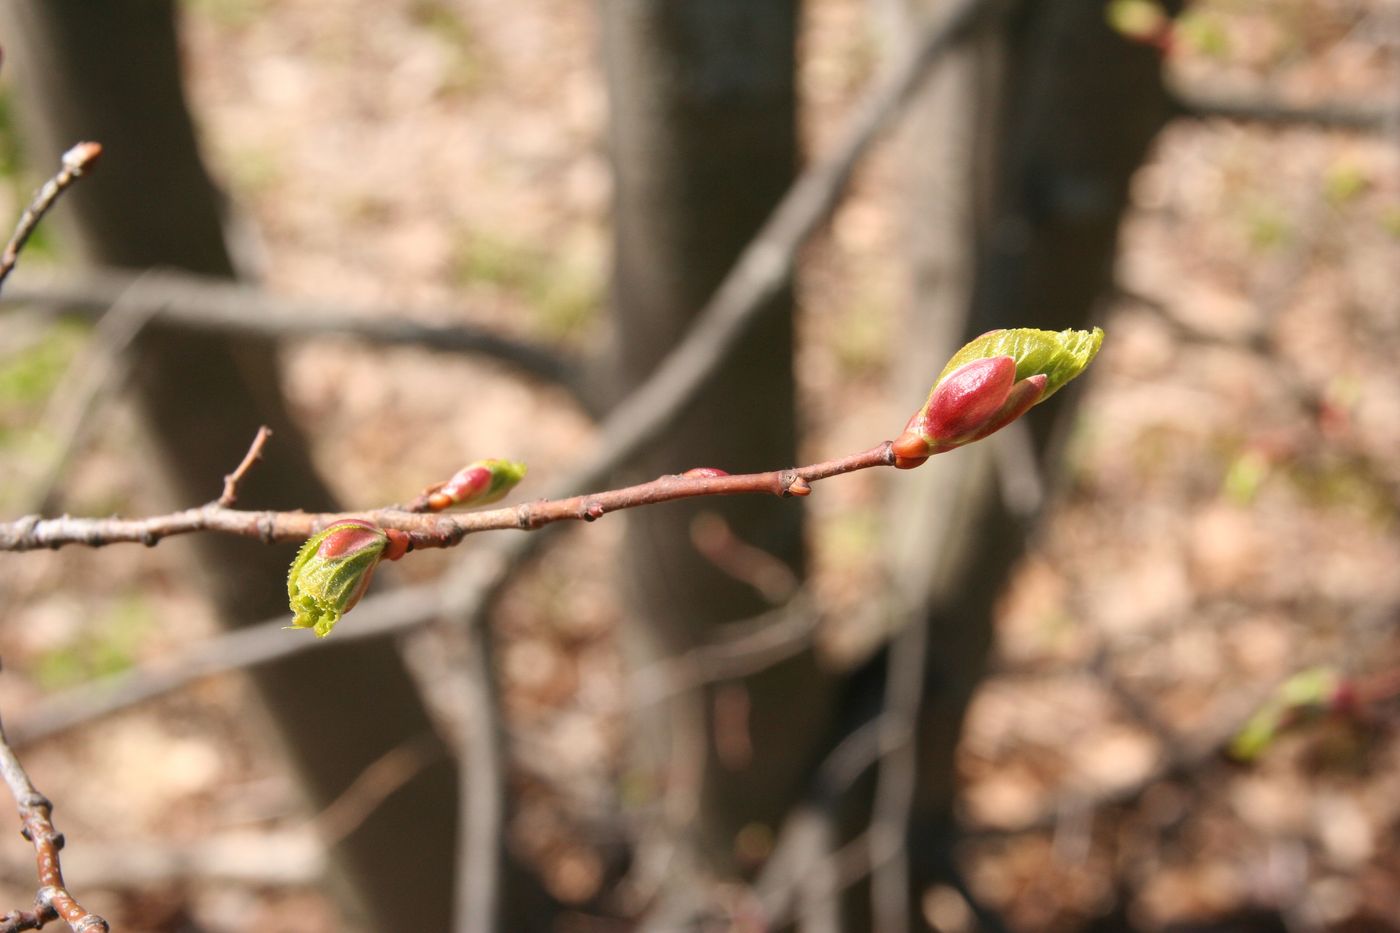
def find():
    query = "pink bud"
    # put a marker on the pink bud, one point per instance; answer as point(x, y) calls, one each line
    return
point(967, 398)
point(478, 483)
point(349, 535)
point(1023, 395)
point(332, 571)
point(991, 382)
point(704, 473)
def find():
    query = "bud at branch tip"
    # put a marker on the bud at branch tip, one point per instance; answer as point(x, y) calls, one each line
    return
point(991, 382)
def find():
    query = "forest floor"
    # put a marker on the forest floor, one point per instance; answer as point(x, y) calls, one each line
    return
point(1228, 514)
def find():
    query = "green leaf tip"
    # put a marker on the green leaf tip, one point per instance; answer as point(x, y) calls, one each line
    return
point(991, 382)
point(1058, 355)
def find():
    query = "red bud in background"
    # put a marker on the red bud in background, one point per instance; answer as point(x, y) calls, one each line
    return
point(479, 483)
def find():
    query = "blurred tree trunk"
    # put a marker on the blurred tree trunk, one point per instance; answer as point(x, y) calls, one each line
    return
point(704, 144)
point(1019, 158)
point(110, 72)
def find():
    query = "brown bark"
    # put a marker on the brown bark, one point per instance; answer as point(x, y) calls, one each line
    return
point(110, 72)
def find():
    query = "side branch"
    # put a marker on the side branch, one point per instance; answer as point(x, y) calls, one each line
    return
point(76, 161)
point(425, 530)
point(52, 901)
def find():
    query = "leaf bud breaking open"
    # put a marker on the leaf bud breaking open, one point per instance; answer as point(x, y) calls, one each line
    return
point(479, 483)
point(333, 569)
point(991, 382)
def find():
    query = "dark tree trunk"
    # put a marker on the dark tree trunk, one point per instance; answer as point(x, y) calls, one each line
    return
point(704, 144)
point(110, 72)
point(1019, 164)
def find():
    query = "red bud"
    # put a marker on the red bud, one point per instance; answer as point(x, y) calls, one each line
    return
point(968, 397)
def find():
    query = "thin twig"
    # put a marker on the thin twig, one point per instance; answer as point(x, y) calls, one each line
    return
point(385, 775)
point(52, 902)
point(430, 530)
point(376, 616)
point(1269, 108)
point(91, 380)
point(75, 162)
point(745, 648)
point(254, 454)
point(483, 792)
point(894, 791)
point(749, 647)
point(207, 304)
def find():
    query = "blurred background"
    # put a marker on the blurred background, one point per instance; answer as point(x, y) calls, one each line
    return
point(1130, 665)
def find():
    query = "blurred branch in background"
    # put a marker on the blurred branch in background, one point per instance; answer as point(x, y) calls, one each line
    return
point(94, 378)
point(1273, 109)
point(203, 303)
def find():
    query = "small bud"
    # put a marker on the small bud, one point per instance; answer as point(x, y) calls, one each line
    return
point(81, 157)
point(704, 473)
point(332, 571)
point(479, 483)
point(990, 383)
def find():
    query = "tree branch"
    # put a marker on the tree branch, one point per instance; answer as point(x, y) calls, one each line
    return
point(255, 451)
point(744, 648)
point(75, 162)
point(376, 616)
point(203, 303)
point(52, 902)
point(643, 415)
point(425, 530)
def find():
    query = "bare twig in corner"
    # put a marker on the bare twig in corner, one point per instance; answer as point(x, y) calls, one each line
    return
point(52, 901)
point(254, 454)
point(76, 161)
